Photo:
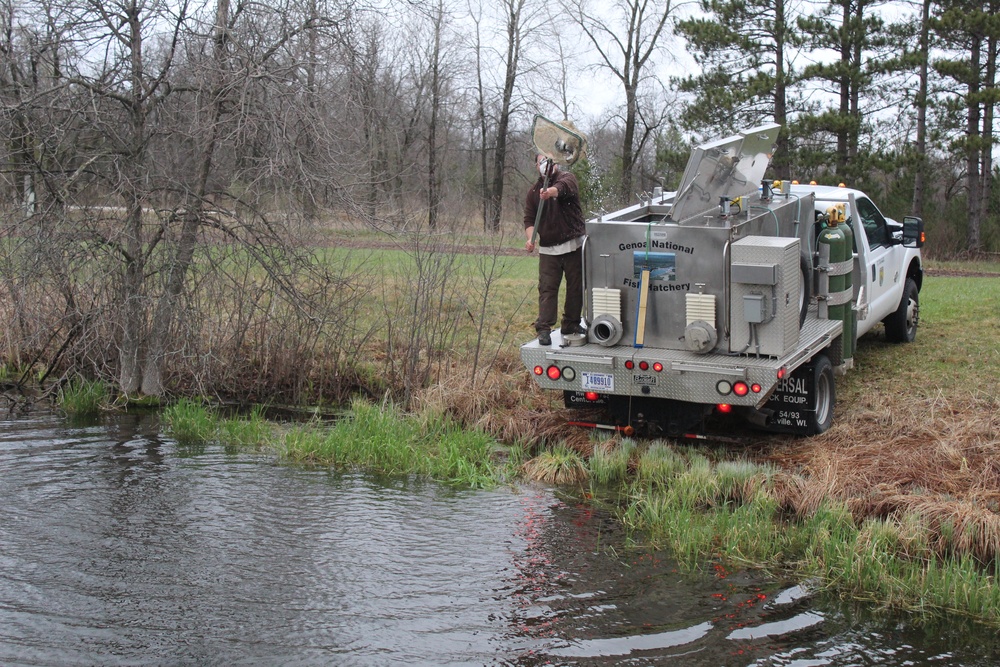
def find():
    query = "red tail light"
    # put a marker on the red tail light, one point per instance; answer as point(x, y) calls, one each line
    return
point(553, 372)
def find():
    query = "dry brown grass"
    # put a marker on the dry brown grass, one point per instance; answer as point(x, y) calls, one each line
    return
point(508, 405)
point(560, 466)
point(933, 459)
point(938, 459)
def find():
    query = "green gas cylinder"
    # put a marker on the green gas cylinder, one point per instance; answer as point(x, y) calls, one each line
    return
point(851, 314)
point(841, 250)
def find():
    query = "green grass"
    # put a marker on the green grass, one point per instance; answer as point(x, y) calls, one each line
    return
point(982, 266)
point(377, 438)
point(610, 465)
point(80, 397)
point(956, 341)
point(728, 511)
point(659, 464)
point(250, 431)
point(190, 422)
point(511, 298)
point(559, 465)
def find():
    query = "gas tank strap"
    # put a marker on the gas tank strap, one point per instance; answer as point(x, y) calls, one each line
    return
point(838, 298)
point(838, 268)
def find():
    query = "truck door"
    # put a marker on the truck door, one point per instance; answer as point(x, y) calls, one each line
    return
point(882, 269)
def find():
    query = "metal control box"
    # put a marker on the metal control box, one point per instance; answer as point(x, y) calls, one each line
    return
point(764, 297)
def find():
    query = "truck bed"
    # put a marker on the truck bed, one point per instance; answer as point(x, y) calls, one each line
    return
point(685, 375)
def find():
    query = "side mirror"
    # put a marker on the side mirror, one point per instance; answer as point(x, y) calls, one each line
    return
point(913, 232)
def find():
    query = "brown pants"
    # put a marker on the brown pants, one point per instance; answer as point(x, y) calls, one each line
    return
point(551, 269)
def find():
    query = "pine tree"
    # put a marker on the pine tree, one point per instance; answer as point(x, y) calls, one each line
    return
point(743, 48)
point(857, 35)
point(969, 31)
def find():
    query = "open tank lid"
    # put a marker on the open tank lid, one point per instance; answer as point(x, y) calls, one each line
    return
point(731, 167)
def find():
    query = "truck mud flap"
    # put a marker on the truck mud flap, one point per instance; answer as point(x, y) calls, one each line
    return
point(792, 408)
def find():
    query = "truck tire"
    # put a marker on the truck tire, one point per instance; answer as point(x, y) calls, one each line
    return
point(824, 393)
point(901, 326)
point(802, 403)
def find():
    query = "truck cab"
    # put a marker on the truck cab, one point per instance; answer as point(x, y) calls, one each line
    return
point(888, 271)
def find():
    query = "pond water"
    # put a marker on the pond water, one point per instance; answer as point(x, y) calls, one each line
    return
point(120, 547)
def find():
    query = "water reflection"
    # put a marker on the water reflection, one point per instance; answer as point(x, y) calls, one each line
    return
point(118, 547)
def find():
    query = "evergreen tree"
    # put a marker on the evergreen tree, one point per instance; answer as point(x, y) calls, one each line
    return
point(968, 29)
point(857, 35)
point(744, 50)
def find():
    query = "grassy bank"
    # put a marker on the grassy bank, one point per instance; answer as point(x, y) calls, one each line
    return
point(371, 437)
point(739, 513)
point(898, 504)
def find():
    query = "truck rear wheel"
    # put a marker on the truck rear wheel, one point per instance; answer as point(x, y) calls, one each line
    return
point(901, 326)
point(802, 403)
point(825, 394)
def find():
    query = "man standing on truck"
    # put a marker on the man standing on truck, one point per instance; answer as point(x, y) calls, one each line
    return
point(561, 232)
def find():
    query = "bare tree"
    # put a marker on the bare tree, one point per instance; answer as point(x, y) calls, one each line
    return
point(626, 36)
point(433, 178)
point(519, 22)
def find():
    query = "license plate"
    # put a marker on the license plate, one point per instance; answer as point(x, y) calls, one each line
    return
point(598, 381)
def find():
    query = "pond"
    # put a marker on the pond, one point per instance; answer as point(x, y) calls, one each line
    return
point(120, 547)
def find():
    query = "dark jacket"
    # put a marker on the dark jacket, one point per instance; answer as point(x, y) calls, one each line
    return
point(562, 218)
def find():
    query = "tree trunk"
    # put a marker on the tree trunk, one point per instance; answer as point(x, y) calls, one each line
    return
point(133, 307)
point(484, 179)
point(845, 91)
point(628, 140)
point(503, 125)
point(857, 63)
point(152, 372)
point(972, 151)
point(782, 165)
point(133, 315)
point(919, 177)
point(986, 157)
point(433, 187)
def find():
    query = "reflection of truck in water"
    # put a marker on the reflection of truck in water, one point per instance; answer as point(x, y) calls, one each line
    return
point(725, 296)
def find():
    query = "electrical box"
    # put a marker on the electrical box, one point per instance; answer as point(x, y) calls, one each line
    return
point(754, 308)
point(765, 277)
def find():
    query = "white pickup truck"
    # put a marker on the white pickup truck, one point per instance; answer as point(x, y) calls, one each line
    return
point(888, 271)
point(732, 295)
